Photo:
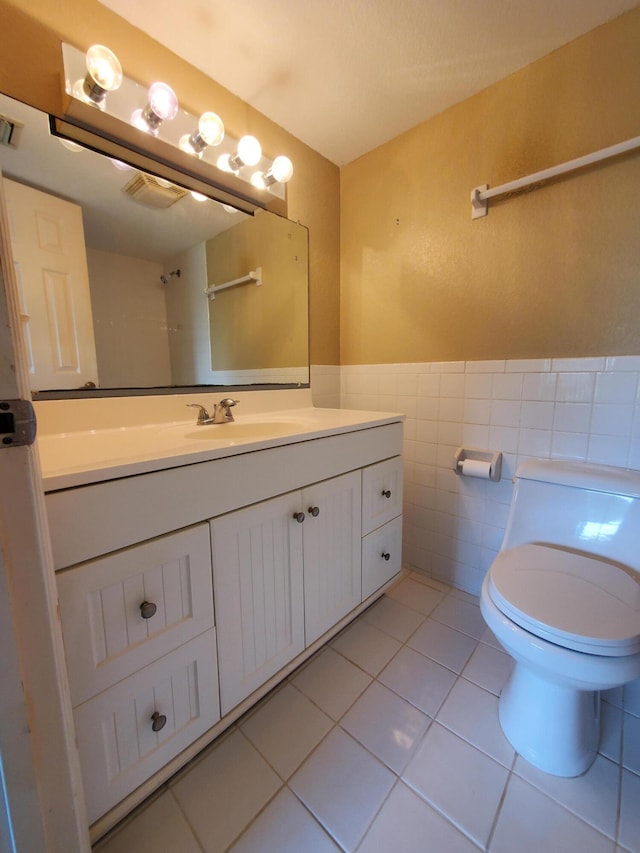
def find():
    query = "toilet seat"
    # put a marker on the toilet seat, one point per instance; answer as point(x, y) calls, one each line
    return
point(573, 600)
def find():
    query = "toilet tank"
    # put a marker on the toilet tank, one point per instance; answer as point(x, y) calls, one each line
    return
point(594, 509)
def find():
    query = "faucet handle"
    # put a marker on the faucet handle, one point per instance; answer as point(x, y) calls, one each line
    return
point(203, 415)
point(222, 412)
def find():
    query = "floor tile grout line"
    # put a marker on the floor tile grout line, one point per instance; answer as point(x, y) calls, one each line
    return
point(498, 812)
point(441, 812)
point(619, 810)
point(192, 830)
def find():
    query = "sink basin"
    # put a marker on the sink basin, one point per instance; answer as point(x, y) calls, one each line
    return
point(236, 430)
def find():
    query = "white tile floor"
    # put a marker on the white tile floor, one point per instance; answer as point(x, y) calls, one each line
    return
point(388, 740)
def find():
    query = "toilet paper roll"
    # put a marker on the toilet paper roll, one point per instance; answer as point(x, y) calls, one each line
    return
point(476, 468)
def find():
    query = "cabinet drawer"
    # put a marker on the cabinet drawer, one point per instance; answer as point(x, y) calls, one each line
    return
point(105, 634)
point(381, 493)
point(381, 556)
point(119, 749)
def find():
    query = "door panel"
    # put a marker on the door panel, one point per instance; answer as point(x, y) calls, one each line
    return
point(47, 240)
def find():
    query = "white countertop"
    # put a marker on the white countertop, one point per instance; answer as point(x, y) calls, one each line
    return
point(80, 457)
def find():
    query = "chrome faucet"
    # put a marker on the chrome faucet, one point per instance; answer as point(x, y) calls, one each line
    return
point(221, 412)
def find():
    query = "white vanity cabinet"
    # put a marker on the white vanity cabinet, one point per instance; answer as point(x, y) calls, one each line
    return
point(285, 572)
point(242, 588)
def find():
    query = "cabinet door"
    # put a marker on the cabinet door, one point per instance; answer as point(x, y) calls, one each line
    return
point(332, 547)
point(381, 556)
point(258, 589)
point(107, 633)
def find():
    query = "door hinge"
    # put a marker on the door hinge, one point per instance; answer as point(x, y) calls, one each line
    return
point(17, 423)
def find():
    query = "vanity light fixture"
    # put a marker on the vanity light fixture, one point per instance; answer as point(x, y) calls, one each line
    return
point(248, 154)
point(104, 74)
point(162, 105)
point(210, 132)
point(184, 143)
point(280, 172)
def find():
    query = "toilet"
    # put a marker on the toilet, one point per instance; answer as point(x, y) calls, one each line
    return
point(563, 599)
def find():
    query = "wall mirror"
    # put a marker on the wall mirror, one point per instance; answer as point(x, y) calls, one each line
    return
point(130, 284)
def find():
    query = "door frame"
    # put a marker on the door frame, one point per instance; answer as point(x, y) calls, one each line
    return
point(41, 795)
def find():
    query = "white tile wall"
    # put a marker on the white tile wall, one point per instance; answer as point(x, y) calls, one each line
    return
point(571, 408)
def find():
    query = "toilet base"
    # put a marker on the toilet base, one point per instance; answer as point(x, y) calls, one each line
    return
point(556, 728)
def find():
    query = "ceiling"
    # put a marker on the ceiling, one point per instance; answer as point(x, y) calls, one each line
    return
point(345, 76)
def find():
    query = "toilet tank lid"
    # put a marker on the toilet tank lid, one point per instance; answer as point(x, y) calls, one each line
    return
point(582, 475)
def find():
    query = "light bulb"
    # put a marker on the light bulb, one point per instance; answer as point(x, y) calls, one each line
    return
point(224, 163)
point(211, 128)
point(104, 74)
point(161, 106)
point(210, 132)
point(104, 67)
point(198, 196)
point(258, 180)
point(280, 172)
point(249, 150)
point(184, 144)
point(249, 153)
point(282, 169)
point(137, 120)
point(163, 101)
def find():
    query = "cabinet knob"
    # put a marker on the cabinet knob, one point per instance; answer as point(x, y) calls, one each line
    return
point(314, 511)
point(385, 555)
point(299, 517)
point(148, 609)
point(386, 493)
point(158, 721)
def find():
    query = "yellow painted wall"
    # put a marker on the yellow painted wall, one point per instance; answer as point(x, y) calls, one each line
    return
point(555, 272)
point(255, 327)
point(30, 67)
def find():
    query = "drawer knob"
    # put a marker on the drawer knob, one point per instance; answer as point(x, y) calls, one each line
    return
point(386, 493)
point(385, 555)
point(158, 721)
point(148, 609)
point(314, 511)
point(299, 517)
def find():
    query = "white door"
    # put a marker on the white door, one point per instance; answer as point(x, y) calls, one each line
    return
point(258, 588)
point(42, 807)
point(332, 549)
point(47, 243)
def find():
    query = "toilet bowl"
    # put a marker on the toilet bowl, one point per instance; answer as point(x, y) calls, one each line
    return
point(563, 599)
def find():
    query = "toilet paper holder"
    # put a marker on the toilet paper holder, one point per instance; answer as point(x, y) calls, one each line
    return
point(493, 460)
